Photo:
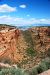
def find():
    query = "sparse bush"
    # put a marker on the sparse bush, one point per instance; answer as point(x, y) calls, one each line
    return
point(47, 62)
point(16, 71)
point(4, 72)
point(12, 71)
point(26, 72)
point(34, 71)
point(42, 67)
point(30, 52)
point(39, 69)
point(1, 73)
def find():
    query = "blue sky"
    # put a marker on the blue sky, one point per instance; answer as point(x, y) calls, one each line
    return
point(25, 12)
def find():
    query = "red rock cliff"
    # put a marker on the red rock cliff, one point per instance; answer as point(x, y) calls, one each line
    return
point(8, 42)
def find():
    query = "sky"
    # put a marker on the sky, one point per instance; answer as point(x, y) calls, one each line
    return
point(24, 12)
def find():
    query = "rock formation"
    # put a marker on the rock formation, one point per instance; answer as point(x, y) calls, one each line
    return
point(41, 38)
point(14, 43)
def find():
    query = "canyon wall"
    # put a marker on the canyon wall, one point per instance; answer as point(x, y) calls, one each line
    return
point(41, 38)
point(11, 45)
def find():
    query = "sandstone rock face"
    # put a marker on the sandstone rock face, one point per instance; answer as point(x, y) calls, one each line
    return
point(41, 38)
point(10, 45)
point(8, 39)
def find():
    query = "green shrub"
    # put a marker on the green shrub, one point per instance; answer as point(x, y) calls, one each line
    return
point(12, 71)
point(26, 72)
point(1, 73)
point(30, 52)
point(42, 67)
point(47, 62)
point(18, 72)
point(4, 71)
point(39, 69)
point(34, 71)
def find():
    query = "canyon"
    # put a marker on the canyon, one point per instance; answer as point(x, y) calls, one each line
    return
point(14, 44)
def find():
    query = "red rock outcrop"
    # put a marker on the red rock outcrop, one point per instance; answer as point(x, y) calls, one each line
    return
point(12, 45)
point(41, 37)
point(8, 43)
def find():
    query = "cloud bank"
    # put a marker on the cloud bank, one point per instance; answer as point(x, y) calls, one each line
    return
point(21, 21)
point(6, 19)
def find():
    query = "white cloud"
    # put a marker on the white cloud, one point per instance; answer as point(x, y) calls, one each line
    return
point(7, 8)
point(42, 19)
point(22, 6)
point(21, 21)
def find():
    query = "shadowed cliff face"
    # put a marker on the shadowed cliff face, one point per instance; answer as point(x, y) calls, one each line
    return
point(23, 47)
point(41, 38)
